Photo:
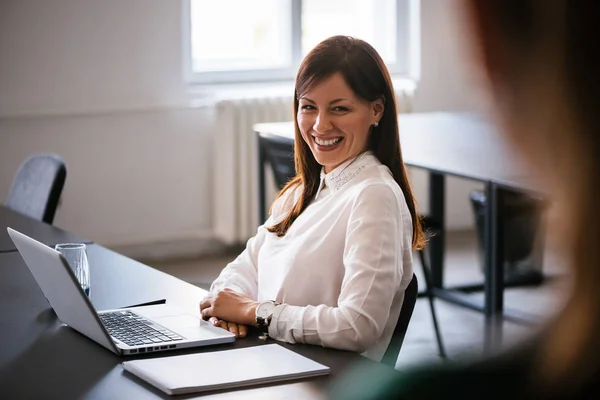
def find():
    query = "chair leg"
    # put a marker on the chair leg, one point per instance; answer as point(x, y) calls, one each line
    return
point(429, 291)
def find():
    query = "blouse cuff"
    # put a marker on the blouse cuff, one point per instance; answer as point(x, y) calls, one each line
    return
point(273, 331)
point(286, 323)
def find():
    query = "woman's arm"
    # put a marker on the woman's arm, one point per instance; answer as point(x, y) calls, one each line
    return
point(241, 274)
point(373, 273)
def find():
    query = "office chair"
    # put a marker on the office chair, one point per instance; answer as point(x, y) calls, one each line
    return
point(37, 186)
point(430, 228)
point(279, 153)
point(408, 305)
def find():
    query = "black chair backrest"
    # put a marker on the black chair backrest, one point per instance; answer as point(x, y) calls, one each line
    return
point(410, 298)
point(280, 155)
point(36, 188)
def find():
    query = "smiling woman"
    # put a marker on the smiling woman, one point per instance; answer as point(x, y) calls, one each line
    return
point(332, 262)
point(334, 122)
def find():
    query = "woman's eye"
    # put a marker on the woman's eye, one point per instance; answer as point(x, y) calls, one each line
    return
point(340, 109)
point(307, 107)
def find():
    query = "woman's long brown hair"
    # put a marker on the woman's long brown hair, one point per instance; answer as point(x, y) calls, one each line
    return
point(366, 74)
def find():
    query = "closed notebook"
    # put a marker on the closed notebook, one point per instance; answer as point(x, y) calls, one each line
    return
point(224, 369)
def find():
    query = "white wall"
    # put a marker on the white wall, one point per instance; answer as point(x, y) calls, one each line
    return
point(100, 82)
point(74, 56)
point(132, 178)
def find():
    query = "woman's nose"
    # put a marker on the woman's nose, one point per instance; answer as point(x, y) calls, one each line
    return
point(322, 124)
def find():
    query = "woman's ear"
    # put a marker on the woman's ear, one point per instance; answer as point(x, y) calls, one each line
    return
point(377, 107)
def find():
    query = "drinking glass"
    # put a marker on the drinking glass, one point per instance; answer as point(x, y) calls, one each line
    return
point(76, 256)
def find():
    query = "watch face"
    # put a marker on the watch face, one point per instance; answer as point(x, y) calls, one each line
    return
point(265, 309)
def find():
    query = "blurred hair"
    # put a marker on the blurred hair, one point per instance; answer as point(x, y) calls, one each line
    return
point(552, 51)
point(366, 74)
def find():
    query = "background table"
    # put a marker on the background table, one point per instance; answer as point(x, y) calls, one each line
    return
point(47, 234)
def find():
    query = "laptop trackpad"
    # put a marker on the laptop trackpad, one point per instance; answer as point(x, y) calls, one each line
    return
point(179, 321)
point(190, 326)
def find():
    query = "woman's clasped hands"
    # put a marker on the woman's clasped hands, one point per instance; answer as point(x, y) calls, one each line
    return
point(230, 310)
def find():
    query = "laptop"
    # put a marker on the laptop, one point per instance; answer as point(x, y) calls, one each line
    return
point(123, 331)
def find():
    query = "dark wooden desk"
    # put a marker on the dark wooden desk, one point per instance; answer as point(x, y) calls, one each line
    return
point(41, 358)
point(47, 234)
point(462, 145)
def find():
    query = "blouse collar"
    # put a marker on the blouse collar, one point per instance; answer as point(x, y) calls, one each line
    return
point(344, 172)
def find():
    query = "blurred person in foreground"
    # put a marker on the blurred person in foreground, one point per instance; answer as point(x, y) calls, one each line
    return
point(541, 64)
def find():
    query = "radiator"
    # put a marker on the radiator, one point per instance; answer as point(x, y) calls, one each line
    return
point(235, 195)
point(235, 217)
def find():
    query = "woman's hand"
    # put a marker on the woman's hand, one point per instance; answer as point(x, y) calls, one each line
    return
point(229, 305)
point(240, 331)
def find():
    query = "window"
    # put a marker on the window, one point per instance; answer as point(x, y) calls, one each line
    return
point(265, 40)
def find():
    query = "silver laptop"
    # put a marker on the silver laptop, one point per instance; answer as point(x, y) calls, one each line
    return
point(123, 331)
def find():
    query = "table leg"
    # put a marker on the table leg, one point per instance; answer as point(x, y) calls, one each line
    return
point(436, 213)
point(494, 268)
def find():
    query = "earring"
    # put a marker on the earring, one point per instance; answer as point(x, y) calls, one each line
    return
point(376, 124)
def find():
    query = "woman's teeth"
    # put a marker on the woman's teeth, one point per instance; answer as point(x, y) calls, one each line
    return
point(326, 143)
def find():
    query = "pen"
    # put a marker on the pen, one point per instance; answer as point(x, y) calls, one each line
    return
point(150, 303)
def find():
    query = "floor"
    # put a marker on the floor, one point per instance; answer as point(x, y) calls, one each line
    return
point(462, 328)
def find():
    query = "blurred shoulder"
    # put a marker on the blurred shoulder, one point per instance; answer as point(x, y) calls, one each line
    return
point(503, 377)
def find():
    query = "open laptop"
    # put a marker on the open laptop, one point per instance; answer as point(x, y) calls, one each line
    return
point(123, 331)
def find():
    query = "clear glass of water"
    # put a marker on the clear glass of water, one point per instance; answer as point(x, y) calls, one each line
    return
point(76, 256)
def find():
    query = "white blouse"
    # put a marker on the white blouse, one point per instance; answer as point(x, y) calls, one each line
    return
point(341, 269)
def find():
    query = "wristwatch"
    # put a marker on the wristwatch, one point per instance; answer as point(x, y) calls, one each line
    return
point(264, 313)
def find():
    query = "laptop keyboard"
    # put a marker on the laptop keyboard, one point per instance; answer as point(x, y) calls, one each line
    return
point(134, 330)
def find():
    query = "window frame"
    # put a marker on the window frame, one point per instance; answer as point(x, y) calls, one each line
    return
point(407, 49)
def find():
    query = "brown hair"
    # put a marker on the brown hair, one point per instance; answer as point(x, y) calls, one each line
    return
point(543, 58)
point(366, 74)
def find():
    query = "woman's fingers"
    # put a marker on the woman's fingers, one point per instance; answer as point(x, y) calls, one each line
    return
point(205, 303)
point(233, 328)
point(218, 322)
point(243, 330)
point(206, 313)
point(239, 331)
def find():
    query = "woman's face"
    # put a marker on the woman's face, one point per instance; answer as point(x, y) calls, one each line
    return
point(334, 122)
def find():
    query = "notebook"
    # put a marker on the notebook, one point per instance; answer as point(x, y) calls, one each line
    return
point(225, 369)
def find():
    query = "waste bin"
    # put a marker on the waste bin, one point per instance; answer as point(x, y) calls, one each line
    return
point(522, 218)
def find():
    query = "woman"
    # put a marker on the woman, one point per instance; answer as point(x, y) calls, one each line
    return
point(331, 264)
point(541, 63)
